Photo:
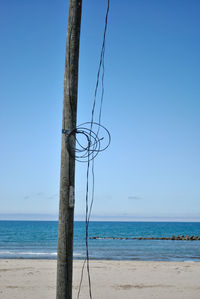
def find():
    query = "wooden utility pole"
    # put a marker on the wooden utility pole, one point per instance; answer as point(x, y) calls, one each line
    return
point(67, 175)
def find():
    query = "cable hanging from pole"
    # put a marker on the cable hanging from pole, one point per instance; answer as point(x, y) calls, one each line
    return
point(90, 144)
point(85, 142)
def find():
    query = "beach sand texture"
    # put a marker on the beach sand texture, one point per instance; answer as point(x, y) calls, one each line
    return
point(35, 279)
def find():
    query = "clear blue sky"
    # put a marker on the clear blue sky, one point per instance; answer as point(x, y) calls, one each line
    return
point(151, 107)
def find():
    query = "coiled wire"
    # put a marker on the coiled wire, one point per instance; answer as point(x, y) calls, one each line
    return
point(87, 140)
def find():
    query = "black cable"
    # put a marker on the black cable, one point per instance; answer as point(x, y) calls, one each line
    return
point(92, 143)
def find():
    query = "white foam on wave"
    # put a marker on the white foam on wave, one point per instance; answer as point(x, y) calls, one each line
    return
point(77, 254)
point(28, 253)
point(17, 253)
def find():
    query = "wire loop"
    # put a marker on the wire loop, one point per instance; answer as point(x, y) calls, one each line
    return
point(87, 140)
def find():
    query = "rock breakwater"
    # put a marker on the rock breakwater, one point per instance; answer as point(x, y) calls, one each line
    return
point(172, 238)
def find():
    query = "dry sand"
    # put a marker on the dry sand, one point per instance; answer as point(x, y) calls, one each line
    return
point(35, 279)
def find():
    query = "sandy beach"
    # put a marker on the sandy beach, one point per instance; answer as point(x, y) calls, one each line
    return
point(33, 279)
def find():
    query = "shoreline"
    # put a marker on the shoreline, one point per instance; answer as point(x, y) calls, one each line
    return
point(99, 260)
point(36, 278)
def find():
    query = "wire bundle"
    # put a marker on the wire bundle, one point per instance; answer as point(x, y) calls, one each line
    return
point(84, 142)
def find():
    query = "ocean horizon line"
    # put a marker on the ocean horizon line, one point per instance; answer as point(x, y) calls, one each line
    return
point(108, 220)
point(125, 217)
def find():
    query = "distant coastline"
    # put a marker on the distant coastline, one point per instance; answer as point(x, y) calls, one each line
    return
point(100, 218)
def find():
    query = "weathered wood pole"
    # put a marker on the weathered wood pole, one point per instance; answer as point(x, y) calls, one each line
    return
point(67, 174)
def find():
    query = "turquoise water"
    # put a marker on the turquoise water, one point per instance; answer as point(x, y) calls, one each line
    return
point(38, 239)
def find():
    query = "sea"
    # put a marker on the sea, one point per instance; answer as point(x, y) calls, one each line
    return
point(38, 240)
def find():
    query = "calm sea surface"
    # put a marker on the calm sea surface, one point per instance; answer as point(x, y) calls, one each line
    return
point(38, 239)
